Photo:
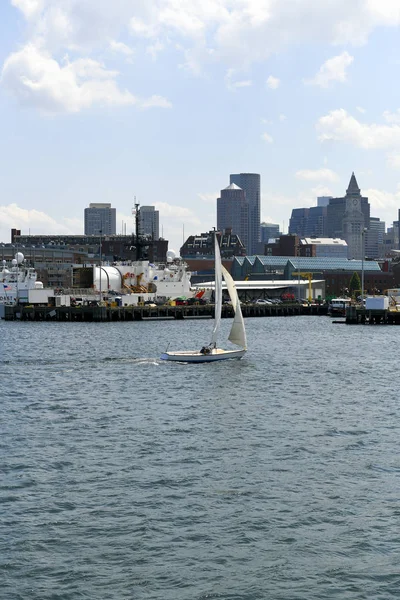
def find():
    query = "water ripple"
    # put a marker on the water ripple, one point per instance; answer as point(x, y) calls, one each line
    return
point(125, 477)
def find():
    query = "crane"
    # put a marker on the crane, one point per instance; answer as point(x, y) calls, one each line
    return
point(308, 276)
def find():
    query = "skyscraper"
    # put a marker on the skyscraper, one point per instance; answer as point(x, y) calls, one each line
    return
point(323, 200)
point(374, 239)
point(269, 231)
point(337, 207)
point(100, 218)
point(298, 221)
point(250, 183)
point(149, 221)
point(232, 212)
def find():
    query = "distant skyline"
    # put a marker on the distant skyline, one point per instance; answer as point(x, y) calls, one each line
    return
point(164, 99)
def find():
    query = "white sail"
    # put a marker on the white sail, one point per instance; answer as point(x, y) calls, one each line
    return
point(217, 291)
point(238, 334)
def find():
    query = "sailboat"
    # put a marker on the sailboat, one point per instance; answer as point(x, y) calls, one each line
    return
point(237, 334)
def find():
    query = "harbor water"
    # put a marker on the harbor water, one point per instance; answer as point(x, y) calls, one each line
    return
point(124, 477)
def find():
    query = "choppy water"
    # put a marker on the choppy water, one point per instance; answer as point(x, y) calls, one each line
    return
point(274, 477)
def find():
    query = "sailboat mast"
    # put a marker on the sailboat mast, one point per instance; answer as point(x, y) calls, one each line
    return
point(217, 291)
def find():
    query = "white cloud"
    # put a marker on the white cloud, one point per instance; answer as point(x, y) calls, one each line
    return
point(339, 126)
point(29, 8)
point(209, 197)
point(234, 32)
point(177, 222)
point(121, 48)
point(383, 203)
point(361, 109)
point(172, 211)
point(36, 79)
point(392, 117)
point(233, 85)
point(267, 138)
point(334, 69)
point(282, 118)
point(35, 221)
point(317, 175)
point(154, 101)
point(155, 49)
point(273, 82)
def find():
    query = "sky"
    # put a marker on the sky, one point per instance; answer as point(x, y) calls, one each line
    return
point(160, 100)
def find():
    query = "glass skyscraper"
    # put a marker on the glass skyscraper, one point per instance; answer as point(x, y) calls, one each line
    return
point(250, 183)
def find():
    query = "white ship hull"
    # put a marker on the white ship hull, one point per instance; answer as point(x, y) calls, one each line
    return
point(189, 356)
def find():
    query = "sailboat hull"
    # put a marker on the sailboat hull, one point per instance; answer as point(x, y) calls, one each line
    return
point(197, 357)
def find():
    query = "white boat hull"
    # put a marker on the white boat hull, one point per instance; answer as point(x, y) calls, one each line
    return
point(197, 357)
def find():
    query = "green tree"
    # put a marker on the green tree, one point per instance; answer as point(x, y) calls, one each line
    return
point(355, 285)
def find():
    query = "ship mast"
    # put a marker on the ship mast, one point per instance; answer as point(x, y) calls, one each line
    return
point(139, 241)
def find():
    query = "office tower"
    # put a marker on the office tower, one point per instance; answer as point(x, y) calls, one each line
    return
point(100, 218)
point(374, 239)
point(149, 222)
point(269, 231)
point(250, 183)
point(232, 212)
point(323, 200)
point(316, 222)
point(298, 221)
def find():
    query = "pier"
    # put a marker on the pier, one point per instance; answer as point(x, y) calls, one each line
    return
point(357, 315)
point(151, 313)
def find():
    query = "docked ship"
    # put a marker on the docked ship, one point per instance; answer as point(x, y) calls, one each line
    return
point(19, 284)
point(137, 281)
point(337, 307)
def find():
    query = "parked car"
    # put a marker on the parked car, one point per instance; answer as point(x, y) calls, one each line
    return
point(196, 301)
point(263, 301)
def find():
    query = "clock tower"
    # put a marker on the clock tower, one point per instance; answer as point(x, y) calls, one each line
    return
point(353, 220)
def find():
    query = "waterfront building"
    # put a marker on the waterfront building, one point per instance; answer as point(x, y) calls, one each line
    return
point(289, 245)
point(100, 218)
point(233, 212)
point(336, 272)
point(250, 183)
point(150, 222)
point(113, 247)
point(326, 247)
point(294, 245)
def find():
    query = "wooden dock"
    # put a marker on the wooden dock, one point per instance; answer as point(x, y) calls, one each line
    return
point(357, 315)
point(151, 313)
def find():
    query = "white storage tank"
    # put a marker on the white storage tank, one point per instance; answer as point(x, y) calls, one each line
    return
point(377, 303)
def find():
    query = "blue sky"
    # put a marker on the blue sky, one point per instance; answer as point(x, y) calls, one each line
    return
point(162, 99)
